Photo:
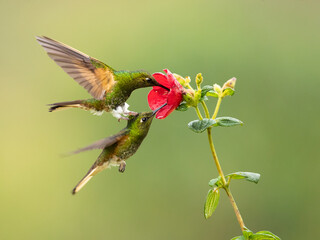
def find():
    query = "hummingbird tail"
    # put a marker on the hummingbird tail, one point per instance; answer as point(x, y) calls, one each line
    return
point(93, 171)
point(83, 181)
point(65, 105)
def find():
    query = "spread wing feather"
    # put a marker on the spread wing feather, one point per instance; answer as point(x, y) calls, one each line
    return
point(95, 76)
point(103, 143)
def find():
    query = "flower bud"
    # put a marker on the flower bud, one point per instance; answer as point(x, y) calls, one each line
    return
point(199, 80)
point(217, 89)
point(190, 98)
point(183, 81)
point(230, 83)
point(228, 87)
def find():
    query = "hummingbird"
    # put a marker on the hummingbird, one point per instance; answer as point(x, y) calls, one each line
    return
point(119, 147)
point(109, 88)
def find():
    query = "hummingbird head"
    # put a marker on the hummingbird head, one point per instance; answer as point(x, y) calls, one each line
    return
point(141, 122)
point(145, 79)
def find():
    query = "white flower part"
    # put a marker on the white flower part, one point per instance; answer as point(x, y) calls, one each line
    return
point(125, 108)
point(121, 111)
point(116, 114)
point(96, 112)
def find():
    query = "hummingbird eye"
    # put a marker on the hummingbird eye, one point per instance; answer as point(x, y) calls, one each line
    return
point(148, 79)
point(143, 119)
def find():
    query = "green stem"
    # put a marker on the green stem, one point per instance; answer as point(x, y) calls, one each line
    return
point(216, 161)
point(215, 157)
point(217, 108)
point(199, 113)
point(235, 208)
point(206, 111)
point(188, 86)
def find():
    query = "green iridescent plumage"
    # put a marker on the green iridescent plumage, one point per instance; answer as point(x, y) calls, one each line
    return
point(109, 88)
point(119, 147)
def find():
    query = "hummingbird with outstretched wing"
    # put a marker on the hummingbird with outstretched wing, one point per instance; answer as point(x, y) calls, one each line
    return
point(109, 88)
point(119, 147)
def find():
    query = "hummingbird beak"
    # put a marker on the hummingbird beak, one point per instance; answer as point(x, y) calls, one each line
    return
point(159, 85)
point(155, 111)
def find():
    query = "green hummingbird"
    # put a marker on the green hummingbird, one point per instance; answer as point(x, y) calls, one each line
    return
point(109, 88)
point(119, 147)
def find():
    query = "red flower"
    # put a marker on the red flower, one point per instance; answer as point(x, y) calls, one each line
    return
point(159, 96)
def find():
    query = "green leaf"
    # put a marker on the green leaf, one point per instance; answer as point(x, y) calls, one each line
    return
point(228, 92)
point(182, 107)
point(211, 202)
point(239, 238)
point(199, 126)
point(212, 94)
point(265, 235)
point(249, 176)
point(228, 121)
point(205, 89)
point(261, 237)
point(204, 98)
point(214, 182)
point(247, 233)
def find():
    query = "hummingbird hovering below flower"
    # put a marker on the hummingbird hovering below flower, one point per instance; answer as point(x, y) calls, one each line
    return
point(109, 88)
point(119, 147)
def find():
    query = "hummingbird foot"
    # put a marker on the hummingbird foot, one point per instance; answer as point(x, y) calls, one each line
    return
point(122, 118)
point(132, 113)
point(122, 166)
point(126, 111)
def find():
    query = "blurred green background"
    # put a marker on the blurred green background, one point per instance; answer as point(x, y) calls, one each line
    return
point(272, 47)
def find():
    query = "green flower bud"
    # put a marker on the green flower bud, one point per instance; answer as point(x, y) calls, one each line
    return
point(228, 87)
point(199, 80)
point(230, 83)
point(183, 81)
point(191, 98)
point(217, 89)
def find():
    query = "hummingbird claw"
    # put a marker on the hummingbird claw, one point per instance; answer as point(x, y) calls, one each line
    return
point(122, 166)
point(122, 118)
point(132, 113)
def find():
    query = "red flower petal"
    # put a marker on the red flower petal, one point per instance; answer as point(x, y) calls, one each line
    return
point(156, 99)
point(162, 79)
point(165, 111)
point(174, 98)
point(159, 96)
point(173, 80)
point(170, 78)
point(160, 90)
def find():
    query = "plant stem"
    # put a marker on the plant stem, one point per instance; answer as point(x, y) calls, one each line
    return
point(206, 111)
point(198, 113)
point(235, 208)
point(217, 108)
point(215, 157)
point(216, 161)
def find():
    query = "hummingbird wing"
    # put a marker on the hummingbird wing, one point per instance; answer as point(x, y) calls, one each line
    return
point(101, 163)
point(95, 76)
point(103, 143)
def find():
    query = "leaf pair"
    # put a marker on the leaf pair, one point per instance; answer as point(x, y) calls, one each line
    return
point(213, 195)
point(262, 235)
point(200, 126)
point(212, 92)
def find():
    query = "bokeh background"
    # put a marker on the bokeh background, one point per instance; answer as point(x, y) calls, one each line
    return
point(272, 47)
